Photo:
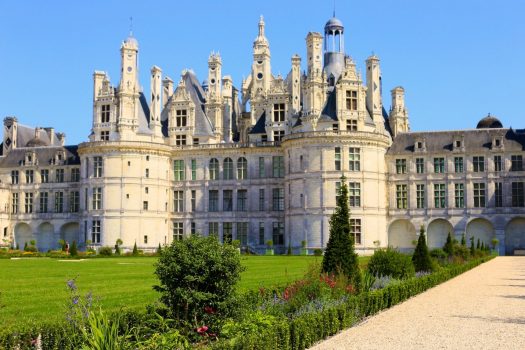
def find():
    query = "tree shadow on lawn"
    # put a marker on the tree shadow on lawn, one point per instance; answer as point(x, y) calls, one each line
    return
point(494, 319)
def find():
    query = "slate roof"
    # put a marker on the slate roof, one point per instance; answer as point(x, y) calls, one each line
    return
point(44, 155)
point(144, 115)
point(26, 134)
point(260, 126)
point(329, 111)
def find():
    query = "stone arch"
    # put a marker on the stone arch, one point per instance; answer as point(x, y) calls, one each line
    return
point(401, 234)
point(45, 237)
point(437, 233)
point(481, 229)
point(515, 235)
point(70, 232)
point(23, 234)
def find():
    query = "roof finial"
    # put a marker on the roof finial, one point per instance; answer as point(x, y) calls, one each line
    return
point(131, 26)
point(261, 26)
point(334, 8)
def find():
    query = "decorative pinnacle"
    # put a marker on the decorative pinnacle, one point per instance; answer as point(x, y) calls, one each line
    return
point(131, 26)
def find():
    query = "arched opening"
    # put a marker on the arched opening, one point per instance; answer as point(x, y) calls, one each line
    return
point(437, 233)
point(45, 237)
point(23, 234)
point(401, 234)
point(70, 232)
point(514, 235)
point(481, 229)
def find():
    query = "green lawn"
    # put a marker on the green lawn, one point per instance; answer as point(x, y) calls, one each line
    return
point(35, 289)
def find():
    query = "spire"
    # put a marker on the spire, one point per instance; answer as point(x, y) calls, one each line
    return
point(261, 27)
point(131, 26)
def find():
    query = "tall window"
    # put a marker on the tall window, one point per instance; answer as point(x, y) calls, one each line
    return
point(14, 203)
point(458, 164)
point(420, 196)
point(194, 169)
point(439, 196)
point(354, 194)
point(146, 173)
point(28, 203)
point(44, 176)
point(97, 166)
point(59, 175)
point(104, 135)
point(420, 165)
point(459, 195)
point(401, 166)
point(180, 140)
point(214, 169)
point(262, 168)
point(43, 202)
point(29, 176)
point(178, 230)
point(401, 196)
point(338, 158)
point(278, 112)
point(278, 233)
point(337, 191)
point(516, 163)
point(278, 199)
point(227, 200)
point(242, 200)
point(227, 232)
point(498, 194)
point(478, 164)
point(518, 199)
point(351, 100)
point(178, 169)
point(181, 117)
point(75, 175)
point(213, 200)
point(145, 205)
point(59, 202)
point(193, 200)
point(354, 159)
point(479, 195)
point(228, 169)
point(178, 201)
point(95, 231)
point(97, 198)
point(74, 201)
point(355, 230)
point(104, 113)
point(278, 166)
point(261, 233)
point(278, 135)
point(242, 233)
point(242, 168)
point(351, 125)
point(14, 177)
point(498, 164)
point(261, 199)
point(213, 229)
point(439, 165)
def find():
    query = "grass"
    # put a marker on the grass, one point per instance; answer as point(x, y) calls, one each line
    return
point(35, 289)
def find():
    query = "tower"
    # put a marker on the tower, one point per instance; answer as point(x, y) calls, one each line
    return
point(128, 91)
point(214, 75)
point(373, 95)
point(154, 123)
point(167, 90)
point(261, 69)
point(313, 87)
point(334, 57)
point(398, 118)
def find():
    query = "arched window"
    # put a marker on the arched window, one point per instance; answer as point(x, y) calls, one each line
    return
point(242, 168)
point(228, 169)
point(214, 169)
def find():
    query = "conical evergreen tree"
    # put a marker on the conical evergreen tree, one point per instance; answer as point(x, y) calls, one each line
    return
point(135, 250)
point(472, 249)
point(159, 249)
point(482, 246)
point(449, 246)
point(340, 256)
point(74, 249)
point(463, 240)
point(421, 257)
point(478, 245)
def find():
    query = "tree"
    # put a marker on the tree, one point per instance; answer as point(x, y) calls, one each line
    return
point(463, 241)
point(472, 249)
point(135, 249)
point(449, 246)
point(74, 249)
point(118, 243)
point(339, 256)
point(421, 257)
point(478, 245)
point(159, 249)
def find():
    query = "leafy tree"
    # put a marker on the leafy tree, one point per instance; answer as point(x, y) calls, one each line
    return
point(449, 246)
point(135, 249)
point(62, 244)
point(118, 243)
point(74, 249)
point(339, 256)
point(421, 257)
point(463, 241)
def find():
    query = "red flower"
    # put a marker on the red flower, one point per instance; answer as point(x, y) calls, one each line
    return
point(209, 310)
point(202, 330)
point(350, 288)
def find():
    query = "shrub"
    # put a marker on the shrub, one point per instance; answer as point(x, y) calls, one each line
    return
point(448, 248)
point(105, 251)
point(438, 254)
point(421, 257)
point(135, 250)
point(390, 262)
point(74, 249)
point(159, 249)
point(318, 252)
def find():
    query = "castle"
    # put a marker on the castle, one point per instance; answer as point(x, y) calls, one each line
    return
point(261, 163)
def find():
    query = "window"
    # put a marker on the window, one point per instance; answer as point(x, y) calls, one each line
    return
point(43, 202)
point(420, 165)
point(227, 200)
point(59, 202)
point(261, 233)
point(14, 203)
point(59, 175)
point(242, 168)
point(104, 113)
point(354, 194)
point(181, 118)
point(178, 201)
point(401, 196)
point(145, 205)
point(44, 176)
point(479, 195)
point(193, 200)
point(278, 112)
point(335, 127)
point(351, 125)
point(14, 177)
point(439, 165)
point(104, 135)
point(95, 231)
point(178, 169)
point(278, 135)
point(516, 163)
point(29, 176)
point(401, 166)
point(439, 196)
point(354, 159)
point(498, 164)
point(97, 166)
point(145, 239)
point(458, 164)
point(227, 232)
point(242, 233)
point(146, 173)
point(261, 199)
point(146, 190)
point(214, 169)
point(180, 140)
point(262, 168)
point(278, 199)
point(193, 228)
point(228, 169)
point(213, 229)
point(28, 203)
point(420, 196)
point(351, 100)
point(213, 198)
point(338, 158)
point(97, 198)
point(459, 195)
point(195, 141)
point(337, 191)
point(74, 201)
point(178, 230)
point(518, 199)
point(478, 164)
point(355, 230)
point(242, 201)
point(278, 233)
point(498, 194)
point(278, 166)
point(75, 175)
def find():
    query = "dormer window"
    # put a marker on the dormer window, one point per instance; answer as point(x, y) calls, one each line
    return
point(104, 113)
point(458, 144)
point(181, 119)
point(351, 100)
point(278, 112)
point(419, 145)
point(497, 142)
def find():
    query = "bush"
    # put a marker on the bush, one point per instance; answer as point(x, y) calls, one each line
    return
point(438, 254)
point(318, 252)
point(448, 248)
point(105, 251)
point(389, 262)
point(421, 257)
point(135, 250)
point(74, 249)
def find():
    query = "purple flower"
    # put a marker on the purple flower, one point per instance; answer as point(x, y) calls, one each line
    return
point(71, 285)
point(75, 299)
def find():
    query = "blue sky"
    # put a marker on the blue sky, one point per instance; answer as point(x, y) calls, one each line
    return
point(457, 60)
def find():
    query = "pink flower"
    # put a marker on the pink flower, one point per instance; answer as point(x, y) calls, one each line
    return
point(202, 330)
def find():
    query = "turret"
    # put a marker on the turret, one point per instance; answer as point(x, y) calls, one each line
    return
point(373, 95)
point(155, 109)
point(398, 119)
point(334, 57)
point(314, 42)
point(261, 69)
point(214, 75)
point(129, 88)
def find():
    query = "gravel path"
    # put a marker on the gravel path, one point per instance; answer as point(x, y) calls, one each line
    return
point(483, 308)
